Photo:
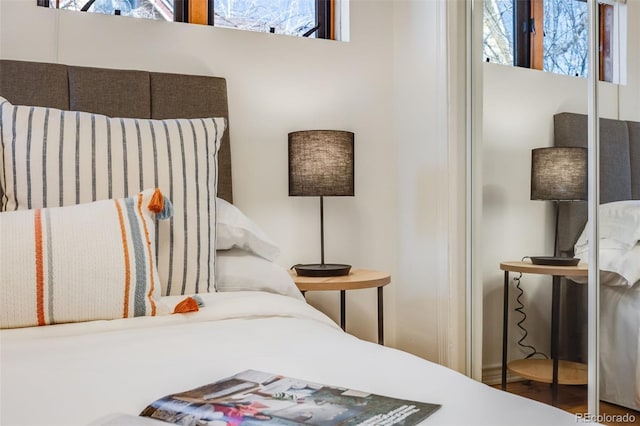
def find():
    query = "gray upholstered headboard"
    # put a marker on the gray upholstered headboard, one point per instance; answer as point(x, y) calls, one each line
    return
point(121, 93)
point(619, 168)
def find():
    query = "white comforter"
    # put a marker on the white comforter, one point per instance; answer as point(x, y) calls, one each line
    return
point(74, 374)
point(620, 345)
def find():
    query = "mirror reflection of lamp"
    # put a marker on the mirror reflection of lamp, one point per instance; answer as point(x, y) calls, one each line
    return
point(558, 174)
point(321, 164)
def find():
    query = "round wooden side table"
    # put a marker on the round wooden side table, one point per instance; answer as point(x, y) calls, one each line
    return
point(357, 279)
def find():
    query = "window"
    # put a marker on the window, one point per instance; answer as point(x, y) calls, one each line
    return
point(306, 18)
point(149, 9)
point(552, 35)
point(280, 16)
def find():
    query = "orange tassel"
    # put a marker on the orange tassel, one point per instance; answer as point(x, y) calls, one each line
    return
point(156, 204)
point(187, 305)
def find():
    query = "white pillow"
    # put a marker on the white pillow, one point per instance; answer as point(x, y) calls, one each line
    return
point(617, 259)
point(234, 229)
point(80, 263)
point(238, 270)
point(619, 221)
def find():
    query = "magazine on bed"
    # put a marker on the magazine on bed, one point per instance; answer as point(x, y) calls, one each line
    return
point(255, 398)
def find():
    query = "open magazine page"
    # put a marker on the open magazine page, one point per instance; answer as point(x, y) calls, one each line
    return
point(255, 398)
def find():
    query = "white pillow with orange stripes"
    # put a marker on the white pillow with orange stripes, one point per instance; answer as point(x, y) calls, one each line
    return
point(80, 263)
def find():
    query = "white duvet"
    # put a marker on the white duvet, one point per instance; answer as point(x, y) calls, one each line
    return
point(619, 320)
point(73, 374)
point(620, 345)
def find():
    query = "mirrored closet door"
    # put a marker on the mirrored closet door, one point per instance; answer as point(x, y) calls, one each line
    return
point(538, 183)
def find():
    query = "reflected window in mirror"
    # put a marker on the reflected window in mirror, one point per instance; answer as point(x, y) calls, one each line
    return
point(552, 35)
point(303, 18)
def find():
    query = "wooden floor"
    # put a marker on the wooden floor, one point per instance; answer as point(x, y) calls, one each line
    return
point(572, 399)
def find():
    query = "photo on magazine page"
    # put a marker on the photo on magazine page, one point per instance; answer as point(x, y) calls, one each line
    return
point(253, 398)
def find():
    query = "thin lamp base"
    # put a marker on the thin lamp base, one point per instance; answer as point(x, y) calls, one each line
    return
point(322, 270)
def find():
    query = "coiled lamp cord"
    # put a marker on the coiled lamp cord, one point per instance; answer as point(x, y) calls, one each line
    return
point(520, 309)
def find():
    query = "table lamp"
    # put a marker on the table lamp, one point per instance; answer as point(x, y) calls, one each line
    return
point(321, 165)
point(558, 174)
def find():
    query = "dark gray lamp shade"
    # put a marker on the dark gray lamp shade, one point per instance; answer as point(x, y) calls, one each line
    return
point(321, 163)
point(559, 174)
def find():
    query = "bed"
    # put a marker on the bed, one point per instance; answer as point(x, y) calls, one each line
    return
point(619, 256)
point(89, 369)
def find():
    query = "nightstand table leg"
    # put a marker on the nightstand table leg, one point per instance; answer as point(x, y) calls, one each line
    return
point(555, 325)
point(505, 328)
point(380, 318)
point(343, 316)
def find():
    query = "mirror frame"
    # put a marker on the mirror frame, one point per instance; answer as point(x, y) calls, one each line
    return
point(593, 201)
point(474, 187)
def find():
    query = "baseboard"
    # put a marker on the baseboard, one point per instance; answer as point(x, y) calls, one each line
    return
point(492, 375)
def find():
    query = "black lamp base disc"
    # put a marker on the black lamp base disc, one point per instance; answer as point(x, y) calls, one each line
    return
point(554, 261)
point(322, 270)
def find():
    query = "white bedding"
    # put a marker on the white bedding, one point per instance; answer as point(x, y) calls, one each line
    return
point(619, 317)
point(619, 266)
point(620, 345)
point(76, 373)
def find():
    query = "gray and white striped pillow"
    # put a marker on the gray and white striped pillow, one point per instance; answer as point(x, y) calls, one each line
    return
point(51, 158)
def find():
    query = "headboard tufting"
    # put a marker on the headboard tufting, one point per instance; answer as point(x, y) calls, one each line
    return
point(121, 93)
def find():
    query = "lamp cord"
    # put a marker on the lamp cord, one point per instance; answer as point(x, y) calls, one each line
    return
point(520, 309)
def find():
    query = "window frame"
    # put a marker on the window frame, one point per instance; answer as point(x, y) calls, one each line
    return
point(522, 33)
point(528, 37)
point(327, 13)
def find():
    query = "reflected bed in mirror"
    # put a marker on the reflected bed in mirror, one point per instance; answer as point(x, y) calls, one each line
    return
point(619, 316)
point(303, 18)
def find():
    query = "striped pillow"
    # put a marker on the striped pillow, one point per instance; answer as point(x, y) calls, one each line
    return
point(52, 158)
point(79, 263)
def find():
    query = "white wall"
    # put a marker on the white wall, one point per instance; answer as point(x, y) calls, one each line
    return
point(519, 105)
point(277, 84)
point(430, 211)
